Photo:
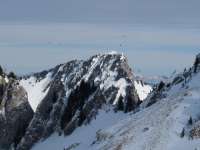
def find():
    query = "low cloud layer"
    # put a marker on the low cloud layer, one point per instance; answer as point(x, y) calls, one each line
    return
point(32, 47)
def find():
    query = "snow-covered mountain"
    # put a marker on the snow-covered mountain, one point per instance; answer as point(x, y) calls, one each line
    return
point(99, 104)
point(168, 119)
point(70, 96)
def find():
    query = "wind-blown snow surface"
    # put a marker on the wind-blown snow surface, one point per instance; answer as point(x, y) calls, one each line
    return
point(157, 127)
point(36, 89)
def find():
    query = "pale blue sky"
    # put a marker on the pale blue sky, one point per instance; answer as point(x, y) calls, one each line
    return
point(158, 36)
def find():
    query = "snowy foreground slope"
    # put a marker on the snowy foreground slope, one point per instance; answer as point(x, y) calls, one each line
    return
point(159, 126)
point(166, 124)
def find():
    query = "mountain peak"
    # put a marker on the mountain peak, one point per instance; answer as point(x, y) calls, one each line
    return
point(71, 94)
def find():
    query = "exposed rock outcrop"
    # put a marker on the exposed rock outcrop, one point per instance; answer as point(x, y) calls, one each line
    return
point(15, 114)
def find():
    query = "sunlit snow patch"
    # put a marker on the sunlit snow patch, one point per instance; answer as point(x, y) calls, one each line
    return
point(36, 90)
point(142, 89)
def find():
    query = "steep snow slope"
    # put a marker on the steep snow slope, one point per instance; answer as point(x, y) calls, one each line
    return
point(83, 137)
point(36, 89)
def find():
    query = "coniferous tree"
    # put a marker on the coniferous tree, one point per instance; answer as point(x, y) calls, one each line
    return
point(161, 85)
point(120, 104)
point(190, 121)
point(129, 106)
point(182, 133)
point(196, 65)
point(1, 71)
point(12, 75)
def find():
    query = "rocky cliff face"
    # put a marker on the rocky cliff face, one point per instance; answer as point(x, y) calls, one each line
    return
point(71, 94)
point(15, 112)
